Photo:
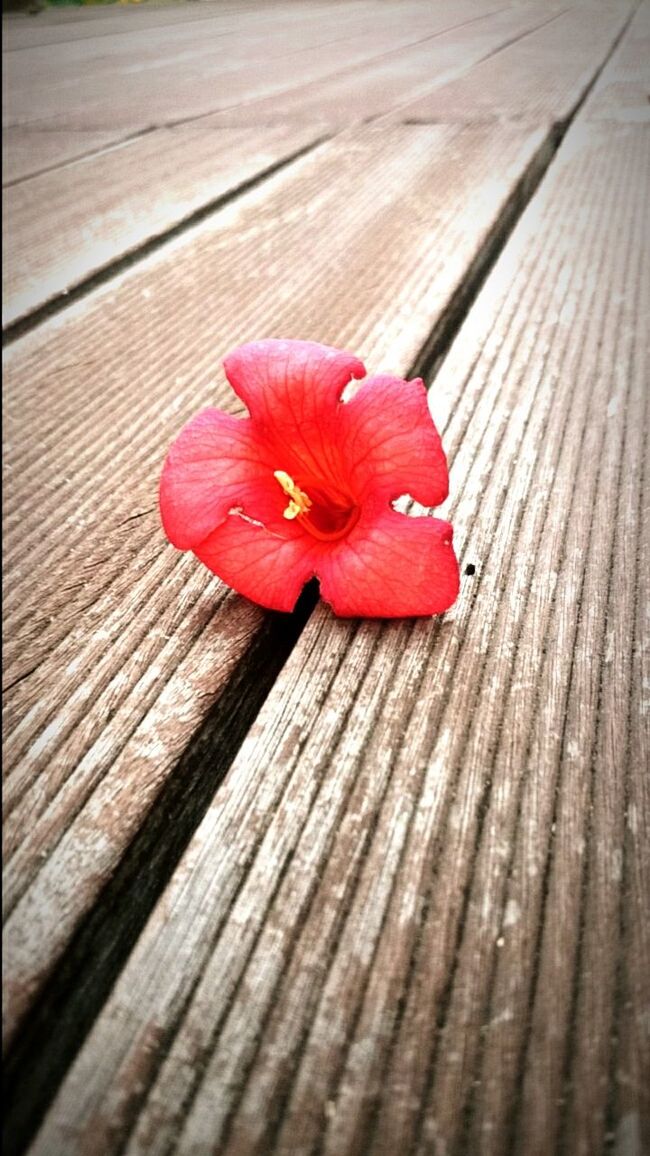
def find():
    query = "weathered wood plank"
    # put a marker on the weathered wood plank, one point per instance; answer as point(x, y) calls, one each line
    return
point(42, 144)
point(631, 1111)
point(126, 195)
point(623, 90)
point(395, 80)
point(123, 198)
point(578, 749)
point(95, 224)
point(404, 863)
point(541, 77)
point(152, 79)
point(30, 148)
point(57, 24)
point(27, 150)
point(610, 899)
point(115, 646)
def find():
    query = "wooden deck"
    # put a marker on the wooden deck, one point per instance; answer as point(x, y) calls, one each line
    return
point(291, 885)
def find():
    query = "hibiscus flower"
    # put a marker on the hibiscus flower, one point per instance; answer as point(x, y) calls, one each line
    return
point(304, 487)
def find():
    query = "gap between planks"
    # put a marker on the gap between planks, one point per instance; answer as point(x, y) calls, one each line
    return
point(67, 297)
point(62, 282)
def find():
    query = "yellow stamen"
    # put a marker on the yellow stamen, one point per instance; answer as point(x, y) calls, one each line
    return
point(299, 501)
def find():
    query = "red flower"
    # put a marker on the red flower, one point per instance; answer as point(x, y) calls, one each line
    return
point(305, 486)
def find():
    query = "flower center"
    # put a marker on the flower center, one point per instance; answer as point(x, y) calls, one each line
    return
point(322, 515)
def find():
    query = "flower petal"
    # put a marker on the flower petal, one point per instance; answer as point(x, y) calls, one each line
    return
point(390, 444)
point(292, 391)
point(391, 566)
point(216, 463)
point(258, 563)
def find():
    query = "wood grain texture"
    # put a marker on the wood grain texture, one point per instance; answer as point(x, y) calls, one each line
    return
point(391, 82)
point(632, 1096)
point(28, 151)
point(123, 198)
point(441, 45)
point(541, 77)
point(43, 141)
point(413, 918)
point(116, 649)
point(623, 91)
point(62, 24)
point(116, 199)
point(160, 76)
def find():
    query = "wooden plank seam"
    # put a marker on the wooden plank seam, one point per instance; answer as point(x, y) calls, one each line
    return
point(57, 304)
